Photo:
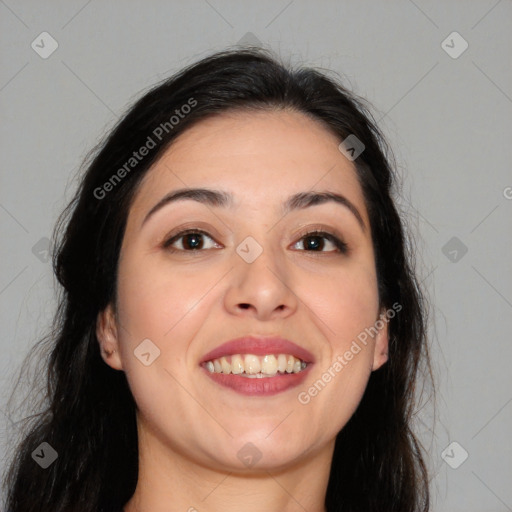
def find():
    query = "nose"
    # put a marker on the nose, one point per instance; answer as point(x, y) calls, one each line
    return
point(262, 289)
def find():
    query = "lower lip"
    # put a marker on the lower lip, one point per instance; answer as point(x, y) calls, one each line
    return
point(265, 386)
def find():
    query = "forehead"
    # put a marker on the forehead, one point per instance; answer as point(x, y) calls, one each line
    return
point(260, 157)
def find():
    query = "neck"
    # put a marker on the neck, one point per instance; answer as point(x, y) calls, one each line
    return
point(168, 481)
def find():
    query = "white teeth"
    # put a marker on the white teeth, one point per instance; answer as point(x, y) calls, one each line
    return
point(281, 363)
point(269, 365)
point(237, 365)
point(256, 367)
point(226, 367)
point(252, 364)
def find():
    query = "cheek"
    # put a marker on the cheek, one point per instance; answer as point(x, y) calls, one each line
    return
point(168, 307)
point(163, 307)
point(153, 301)
point(343, 308)
point(345, 304)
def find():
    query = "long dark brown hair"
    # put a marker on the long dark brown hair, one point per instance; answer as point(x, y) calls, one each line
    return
point(88, 412)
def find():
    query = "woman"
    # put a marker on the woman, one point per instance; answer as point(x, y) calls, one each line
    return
point(241, 325)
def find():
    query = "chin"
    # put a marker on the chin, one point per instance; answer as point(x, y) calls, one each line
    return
point(260, 453)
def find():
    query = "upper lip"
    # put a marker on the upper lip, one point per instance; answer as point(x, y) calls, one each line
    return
point(259, 346)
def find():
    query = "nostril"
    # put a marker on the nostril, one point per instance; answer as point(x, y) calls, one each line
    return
point(244, 306)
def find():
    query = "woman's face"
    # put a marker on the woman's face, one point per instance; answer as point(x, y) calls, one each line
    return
point(246, 268)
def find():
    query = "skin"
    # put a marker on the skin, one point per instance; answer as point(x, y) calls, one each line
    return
point(190, 428)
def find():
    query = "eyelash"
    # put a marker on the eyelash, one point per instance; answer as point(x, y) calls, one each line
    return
point(340, 245)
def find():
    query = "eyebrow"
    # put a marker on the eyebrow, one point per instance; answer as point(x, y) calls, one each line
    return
point(219, 198)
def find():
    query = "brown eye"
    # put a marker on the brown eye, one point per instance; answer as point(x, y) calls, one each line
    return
point(190, 241)
point(314, 241)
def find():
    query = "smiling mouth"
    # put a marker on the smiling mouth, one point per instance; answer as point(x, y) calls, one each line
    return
point(256, 367)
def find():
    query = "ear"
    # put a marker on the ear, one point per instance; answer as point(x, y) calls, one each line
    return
point(380, 353)
point(107, 334)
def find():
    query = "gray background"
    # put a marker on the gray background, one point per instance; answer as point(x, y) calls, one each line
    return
point(448, 120)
